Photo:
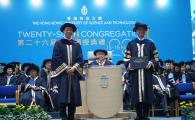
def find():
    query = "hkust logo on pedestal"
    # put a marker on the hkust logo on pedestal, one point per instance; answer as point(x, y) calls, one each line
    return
point(84, 10)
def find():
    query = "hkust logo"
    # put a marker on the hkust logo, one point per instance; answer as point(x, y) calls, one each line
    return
point(84, 10)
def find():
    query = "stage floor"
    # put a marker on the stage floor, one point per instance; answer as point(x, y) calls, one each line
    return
point(151, 118)
point(56, 116)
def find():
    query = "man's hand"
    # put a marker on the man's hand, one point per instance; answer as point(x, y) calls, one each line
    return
point(149, 65)
point(31, 87)
point(68, 69)
point(177, 81)
point(157, 87)
point(129, 67)
point(55, 90)
point(125, 81)
point(71, 70)
point(36, 88)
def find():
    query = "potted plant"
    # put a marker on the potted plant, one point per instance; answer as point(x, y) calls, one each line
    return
point(20, 112)
point(187, 110)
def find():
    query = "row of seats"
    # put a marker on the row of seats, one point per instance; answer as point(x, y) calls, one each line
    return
point(186, 93)
point(10, 94)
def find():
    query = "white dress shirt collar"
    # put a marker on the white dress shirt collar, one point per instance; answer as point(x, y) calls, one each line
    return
point(140, 38)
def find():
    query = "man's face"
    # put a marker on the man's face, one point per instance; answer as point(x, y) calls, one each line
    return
point(33, 73)
point(168, 66)
point(159, 72)
point(48, 65)
point(100, 56)
point(68, 32)
point(172, 66)
point(187, 67)
point(183, 68)
point(140, 32)
point(9, 71)
point(177, 69)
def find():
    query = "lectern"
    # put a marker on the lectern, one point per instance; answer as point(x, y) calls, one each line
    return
point(104, 91)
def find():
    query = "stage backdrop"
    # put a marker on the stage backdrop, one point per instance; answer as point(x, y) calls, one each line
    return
point(193, 25)
point(29, 29)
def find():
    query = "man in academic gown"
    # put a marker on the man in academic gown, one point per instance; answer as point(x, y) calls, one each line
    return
point(33, 87)
point(9, 78)
point(45, 74)
point(177, 72)
point(141, 81)
point(22, 76)
point(193, 66)
point(161, 90)
point(69, 52)
point(2, 65)
point(101, 59)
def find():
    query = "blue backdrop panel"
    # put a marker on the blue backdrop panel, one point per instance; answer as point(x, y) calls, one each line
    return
point(28, 33)
point(193, 25)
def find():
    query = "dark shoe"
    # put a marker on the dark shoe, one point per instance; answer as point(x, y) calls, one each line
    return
point(137, 118)
point(71, 117)
point(65, 118)
point(146, 119)
point(167, 114)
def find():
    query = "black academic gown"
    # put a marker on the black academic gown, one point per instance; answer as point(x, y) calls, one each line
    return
point(163, 80)
point(50, 88)
point(159, 95)
point(142, 84)
point(20, 78)
point(70, 53)
point(27, 97)
point(13, 81)
point(45, 75)
point(177, 76)
point(190, 77)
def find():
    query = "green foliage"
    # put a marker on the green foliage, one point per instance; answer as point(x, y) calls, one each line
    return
point(191, 115)
point(20, 112)
point(188, 109)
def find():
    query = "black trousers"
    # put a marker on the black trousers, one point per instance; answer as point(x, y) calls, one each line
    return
point(142, 110)
point(63, 111)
